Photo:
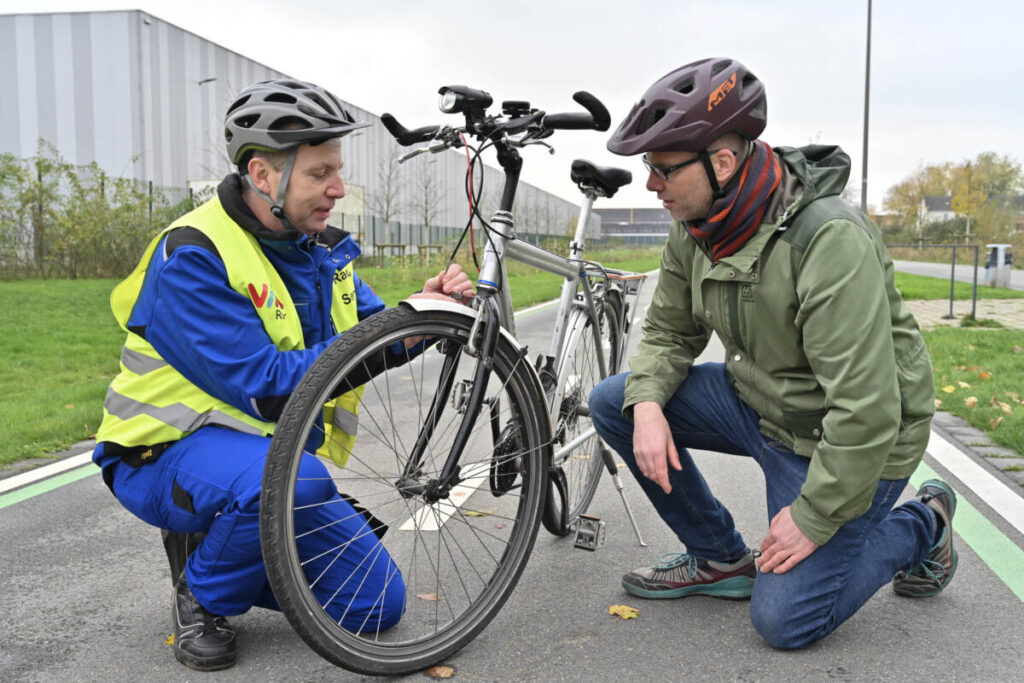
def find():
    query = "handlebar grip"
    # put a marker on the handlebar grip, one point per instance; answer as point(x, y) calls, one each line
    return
point(602, 119)
point(597, 118)
point(403, 135)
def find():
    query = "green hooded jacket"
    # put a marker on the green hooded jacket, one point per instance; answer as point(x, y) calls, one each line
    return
point(818, 340)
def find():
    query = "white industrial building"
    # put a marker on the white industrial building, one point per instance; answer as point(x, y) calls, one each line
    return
point(145, 99)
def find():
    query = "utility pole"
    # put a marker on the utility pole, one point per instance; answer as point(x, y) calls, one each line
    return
point(867, 98)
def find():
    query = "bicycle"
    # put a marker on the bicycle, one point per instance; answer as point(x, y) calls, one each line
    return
point(466, 447)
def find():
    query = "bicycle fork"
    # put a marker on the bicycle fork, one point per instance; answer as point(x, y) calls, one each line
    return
point(409, 483)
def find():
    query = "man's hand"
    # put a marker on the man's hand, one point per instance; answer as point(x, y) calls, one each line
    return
point(451, 282)
point(653, 445)
point(785, 546)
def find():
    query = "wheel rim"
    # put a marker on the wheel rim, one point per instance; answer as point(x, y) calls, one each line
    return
point(457, 559)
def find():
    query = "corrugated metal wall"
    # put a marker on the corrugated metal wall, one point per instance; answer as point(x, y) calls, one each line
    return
point(146, 99)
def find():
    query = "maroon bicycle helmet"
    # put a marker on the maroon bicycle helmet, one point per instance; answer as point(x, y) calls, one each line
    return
point(691, 107)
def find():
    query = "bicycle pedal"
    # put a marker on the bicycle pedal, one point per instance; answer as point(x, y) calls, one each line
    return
point(589, 533)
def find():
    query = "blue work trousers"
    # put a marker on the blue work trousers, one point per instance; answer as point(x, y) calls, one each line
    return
point(806, 603)
point(210, 482)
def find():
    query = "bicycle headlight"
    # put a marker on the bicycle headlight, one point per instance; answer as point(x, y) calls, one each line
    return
point(458, 98)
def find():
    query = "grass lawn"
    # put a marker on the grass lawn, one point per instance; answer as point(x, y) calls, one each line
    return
point(922, 287)
point(60, 350)
point(61, 347)
point(978, 377)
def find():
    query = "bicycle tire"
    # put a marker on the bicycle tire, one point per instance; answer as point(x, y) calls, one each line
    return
point(456, 577)
point(570, 495)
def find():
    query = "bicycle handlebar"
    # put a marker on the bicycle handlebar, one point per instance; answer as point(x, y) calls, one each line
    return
point(597, 117)
point(403, 135)
point(535, 123)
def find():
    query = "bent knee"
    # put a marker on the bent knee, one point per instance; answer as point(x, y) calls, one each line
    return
point(781, 630)
point(606, 398)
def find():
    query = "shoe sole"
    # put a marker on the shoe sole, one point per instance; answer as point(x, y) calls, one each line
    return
point(735, 588)
point(933, 591)
point(205, 663)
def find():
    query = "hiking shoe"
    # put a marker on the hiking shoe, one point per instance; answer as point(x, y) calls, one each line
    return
point(682, 574)
point(202, 641)
point(936, 571)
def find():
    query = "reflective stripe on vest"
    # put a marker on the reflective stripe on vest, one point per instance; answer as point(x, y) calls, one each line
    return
point(149, 402)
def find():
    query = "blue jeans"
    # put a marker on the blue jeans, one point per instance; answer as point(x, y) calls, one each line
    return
point(803, 605)
point(210, 481)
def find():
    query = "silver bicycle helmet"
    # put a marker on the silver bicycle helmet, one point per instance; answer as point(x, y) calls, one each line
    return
point(280, 115)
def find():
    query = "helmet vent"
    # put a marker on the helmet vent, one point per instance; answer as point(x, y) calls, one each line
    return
point(320, 101)
point(289, 123)
point(685, 87)
point(748, 80)
point(247, 121)
point(719, 67)
point(280, 97)
point(238, 103)
point(652, 118)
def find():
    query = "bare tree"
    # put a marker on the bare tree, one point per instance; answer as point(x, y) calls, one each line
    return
point(383, 201)
point(427, 196)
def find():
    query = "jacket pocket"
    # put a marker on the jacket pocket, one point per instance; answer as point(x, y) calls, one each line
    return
point(805, 424)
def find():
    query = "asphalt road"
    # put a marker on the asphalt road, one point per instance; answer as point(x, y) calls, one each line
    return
point(962, 273)
point(86, 597)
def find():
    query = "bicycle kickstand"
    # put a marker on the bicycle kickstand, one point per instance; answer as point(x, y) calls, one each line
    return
point(609, 461)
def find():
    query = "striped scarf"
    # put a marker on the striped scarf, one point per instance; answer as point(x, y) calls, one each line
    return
point(735, 216)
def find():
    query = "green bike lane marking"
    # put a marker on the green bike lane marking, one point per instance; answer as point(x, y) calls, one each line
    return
point(995, 549)
point(50, 484)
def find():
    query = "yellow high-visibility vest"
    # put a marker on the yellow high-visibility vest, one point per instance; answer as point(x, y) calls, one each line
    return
point(149, 402)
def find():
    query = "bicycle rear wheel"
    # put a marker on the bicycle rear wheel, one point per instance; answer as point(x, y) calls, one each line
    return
point(576, 472)
point(455, 560)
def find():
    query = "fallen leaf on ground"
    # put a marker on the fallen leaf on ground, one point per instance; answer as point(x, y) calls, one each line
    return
point(478, 513)
point(1017, 349)
point(964, 385)
point(70, 406)
point(995, 422)
point(938, 403)
point(993, 401)
point(623, 611)
point(985, 375)
point(441, 671)
point(949, 388)
point(971, 401)
point(1005, 408)
point(169, 640)
point(432, 597)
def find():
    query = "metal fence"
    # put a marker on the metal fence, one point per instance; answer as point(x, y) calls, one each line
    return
point(952, 270)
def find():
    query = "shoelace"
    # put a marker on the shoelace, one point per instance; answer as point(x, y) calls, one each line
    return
point(672, 560)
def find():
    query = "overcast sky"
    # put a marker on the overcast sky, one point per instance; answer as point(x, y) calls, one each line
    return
point(945, 76)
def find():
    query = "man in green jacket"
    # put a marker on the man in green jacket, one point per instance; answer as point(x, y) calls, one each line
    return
point(827, 383)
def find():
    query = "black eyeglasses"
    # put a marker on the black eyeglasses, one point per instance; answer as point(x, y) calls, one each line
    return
point(663, 172)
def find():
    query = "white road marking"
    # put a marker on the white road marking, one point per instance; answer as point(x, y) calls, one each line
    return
point(1007, 503)
point(32, 476)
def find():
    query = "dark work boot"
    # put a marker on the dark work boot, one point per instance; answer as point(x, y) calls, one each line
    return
point(178, 548)
point(202, 641)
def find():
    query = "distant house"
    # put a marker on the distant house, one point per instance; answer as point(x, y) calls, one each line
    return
point(935, 209)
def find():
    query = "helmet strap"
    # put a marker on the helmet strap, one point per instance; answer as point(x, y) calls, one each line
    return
point(277, 207)
point(705, 159)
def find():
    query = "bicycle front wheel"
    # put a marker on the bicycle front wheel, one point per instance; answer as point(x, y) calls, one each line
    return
point(576, 470)
point(445, 561)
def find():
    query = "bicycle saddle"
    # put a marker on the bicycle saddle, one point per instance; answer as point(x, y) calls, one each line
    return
point(605, 179)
